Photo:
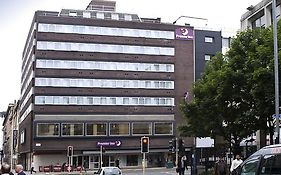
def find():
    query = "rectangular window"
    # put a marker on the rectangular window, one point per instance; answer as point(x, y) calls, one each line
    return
point(73, 129)
point(209, 39)
point(119, 129)
point(142, 129)
point(86, 15)
point(96, 129)
point(22, 137)
point(163, 128)
point(100, 15)
point(47, 129)
point(72, 13)
point(208, 57)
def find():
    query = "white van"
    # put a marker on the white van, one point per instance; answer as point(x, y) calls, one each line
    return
point(266, 161)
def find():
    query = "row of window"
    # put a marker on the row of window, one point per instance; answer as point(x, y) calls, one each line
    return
point(103, 129)
point(79, 100)
point(100, 14)
point(102, 65)
point(106, 31)
point(104, 83)
point(105, 48)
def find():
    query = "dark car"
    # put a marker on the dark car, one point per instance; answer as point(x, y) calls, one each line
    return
point(265, 161)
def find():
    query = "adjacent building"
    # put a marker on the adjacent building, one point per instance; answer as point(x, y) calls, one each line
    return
point(260, 15)
point(9, 152)
point(97, 77)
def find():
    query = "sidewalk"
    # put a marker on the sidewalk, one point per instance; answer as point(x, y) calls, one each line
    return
point(90, 172)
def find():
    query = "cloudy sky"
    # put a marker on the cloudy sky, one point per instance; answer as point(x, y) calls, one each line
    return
point(16, 16)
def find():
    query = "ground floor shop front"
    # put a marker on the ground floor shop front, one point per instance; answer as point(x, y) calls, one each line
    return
point(92, 160)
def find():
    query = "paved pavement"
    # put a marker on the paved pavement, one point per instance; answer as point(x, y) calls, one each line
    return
point(149, 171)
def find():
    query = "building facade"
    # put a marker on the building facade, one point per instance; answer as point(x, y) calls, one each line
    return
point(260, 15)
point(96, 77)
point(10, 135)
point(207, 44)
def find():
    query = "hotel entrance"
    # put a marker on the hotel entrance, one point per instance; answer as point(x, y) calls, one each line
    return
point(94, 162)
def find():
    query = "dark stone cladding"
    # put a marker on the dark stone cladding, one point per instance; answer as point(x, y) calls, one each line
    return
point(26, 127)
point(101, 92)
point(103, 74)
point(88, 144)
point(89, 56)
point(110, 110)
point(83, 38)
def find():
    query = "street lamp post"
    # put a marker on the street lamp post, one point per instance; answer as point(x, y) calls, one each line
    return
point(276, 70)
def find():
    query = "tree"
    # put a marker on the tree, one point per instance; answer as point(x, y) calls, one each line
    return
point(235, 95)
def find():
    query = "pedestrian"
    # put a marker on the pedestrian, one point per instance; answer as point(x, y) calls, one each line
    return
point(32, 168)
point(235, 164)
point(6, 169)
point(63, 166)
point(221, 166)
point(19, 169)
point(182, 165)
point(117, 162)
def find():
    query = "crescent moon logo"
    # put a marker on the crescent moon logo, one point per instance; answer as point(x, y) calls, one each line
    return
point(184, 31)
point(118, 143)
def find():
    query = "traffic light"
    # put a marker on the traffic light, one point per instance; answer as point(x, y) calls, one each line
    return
point(172, 145)
point(70, 151)
point(145, 145)
point(181, 145)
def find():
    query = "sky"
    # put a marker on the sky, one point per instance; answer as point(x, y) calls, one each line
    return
point(16, 17)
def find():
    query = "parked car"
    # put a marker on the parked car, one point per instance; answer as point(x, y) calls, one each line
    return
point(109, 171)
point(265, 161)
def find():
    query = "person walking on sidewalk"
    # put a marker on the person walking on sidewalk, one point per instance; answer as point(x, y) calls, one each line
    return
point(19, 169)
point(235, 164)
point(221, 167)
point(32, 168)
point(182, 165)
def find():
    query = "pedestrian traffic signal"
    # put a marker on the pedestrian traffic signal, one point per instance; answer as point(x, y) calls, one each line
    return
point(144, 144)
point(70, 151)
point(172, 145)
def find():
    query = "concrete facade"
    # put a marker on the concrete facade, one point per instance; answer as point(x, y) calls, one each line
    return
point(259, 15)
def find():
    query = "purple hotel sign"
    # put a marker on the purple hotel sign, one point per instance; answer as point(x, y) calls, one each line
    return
point(184, 33)
point(114, 143)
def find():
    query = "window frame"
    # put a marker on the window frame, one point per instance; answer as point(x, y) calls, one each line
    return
point(59, 134)
point(86, 131)
point(129, 126)
point(132, 128)
point(83, 130)
point(209, 39)
point(154, 128)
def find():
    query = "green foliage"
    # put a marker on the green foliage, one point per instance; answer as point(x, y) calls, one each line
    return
point(235, 95)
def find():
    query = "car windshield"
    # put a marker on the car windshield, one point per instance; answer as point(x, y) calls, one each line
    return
point(111, 171)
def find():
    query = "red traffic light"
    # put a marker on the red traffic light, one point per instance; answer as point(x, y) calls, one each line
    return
point(144, 144)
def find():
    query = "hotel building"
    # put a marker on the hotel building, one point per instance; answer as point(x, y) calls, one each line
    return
point(97, 77)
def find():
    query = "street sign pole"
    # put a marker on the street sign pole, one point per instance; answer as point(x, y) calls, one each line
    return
point(275, 42)
point(143, 164)
point(177, 153)
point(101, 156)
